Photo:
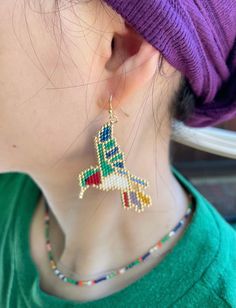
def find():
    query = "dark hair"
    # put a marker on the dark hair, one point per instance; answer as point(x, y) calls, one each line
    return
point(183, 102)
point(184, 99)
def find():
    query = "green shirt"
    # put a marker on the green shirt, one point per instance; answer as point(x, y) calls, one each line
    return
point(200, 270)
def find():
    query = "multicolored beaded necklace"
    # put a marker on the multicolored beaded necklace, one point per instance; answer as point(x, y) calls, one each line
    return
point(113, 273)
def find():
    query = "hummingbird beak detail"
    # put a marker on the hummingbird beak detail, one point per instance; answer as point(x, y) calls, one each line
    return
point(83, 189)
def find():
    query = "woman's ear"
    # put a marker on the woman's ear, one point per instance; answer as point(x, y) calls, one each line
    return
point(132, 64)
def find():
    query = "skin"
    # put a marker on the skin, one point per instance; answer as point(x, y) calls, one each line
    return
point(54, 91)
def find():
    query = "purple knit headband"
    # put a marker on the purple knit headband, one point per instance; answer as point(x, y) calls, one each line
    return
point(197, 37)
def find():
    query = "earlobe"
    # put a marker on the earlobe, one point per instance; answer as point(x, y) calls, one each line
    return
point(132, 64)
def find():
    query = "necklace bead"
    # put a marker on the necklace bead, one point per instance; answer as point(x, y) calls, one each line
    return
point(113, 273)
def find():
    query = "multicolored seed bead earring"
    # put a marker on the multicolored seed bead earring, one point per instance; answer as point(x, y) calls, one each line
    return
point(111, 173)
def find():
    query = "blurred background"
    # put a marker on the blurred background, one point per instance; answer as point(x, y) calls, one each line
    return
point(214, 176)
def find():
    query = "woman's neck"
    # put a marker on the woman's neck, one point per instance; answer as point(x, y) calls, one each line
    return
point(108, 238)
point(105, 243)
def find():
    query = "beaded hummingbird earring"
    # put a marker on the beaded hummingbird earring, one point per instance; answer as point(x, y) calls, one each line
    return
point(111, 173)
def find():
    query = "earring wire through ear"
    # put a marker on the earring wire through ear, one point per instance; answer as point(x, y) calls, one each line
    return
point(112, 117)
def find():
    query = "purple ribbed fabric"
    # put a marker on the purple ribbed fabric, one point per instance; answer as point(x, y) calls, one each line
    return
point(197, 37)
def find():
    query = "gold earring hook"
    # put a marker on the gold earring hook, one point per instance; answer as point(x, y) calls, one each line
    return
point(113, 118)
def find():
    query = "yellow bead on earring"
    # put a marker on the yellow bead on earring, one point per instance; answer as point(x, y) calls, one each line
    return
point(111, 173)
